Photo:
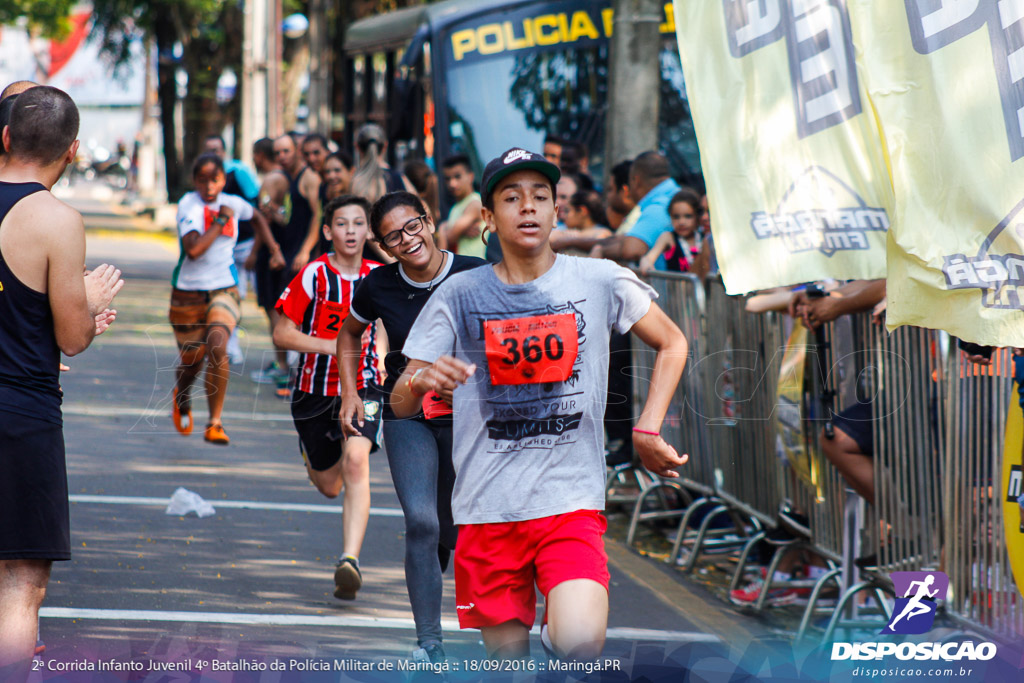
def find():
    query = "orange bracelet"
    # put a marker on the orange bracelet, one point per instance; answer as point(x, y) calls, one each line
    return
point(644, 431)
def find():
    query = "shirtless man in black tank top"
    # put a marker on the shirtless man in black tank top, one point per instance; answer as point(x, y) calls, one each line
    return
point(48, 306)
point(290, 200)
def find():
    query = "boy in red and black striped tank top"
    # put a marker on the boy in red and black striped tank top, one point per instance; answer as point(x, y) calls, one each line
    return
point(313, 308)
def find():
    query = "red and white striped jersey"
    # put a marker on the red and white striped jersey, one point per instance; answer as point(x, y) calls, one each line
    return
point(317, 301)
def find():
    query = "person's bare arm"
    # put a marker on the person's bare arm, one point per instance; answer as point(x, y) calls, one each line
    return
point(309, 187)
point(287, 335)
point(468, 224)
point(348, 349)
point(272, 193)
point(648, 260)
point(659, 332)
point(197, 243)
point(263, 236)
point(853, 297)
point(79, 303)
point(567, 239)
point(702, 264)
point(420, 378)
point(623, 248)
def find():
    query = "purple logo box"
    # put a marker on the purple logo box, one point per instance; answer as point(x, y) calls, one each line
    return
point(916, 595)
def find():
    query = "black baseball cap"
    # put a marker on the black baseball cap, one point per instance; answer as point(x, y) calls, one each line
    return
point(512, 160)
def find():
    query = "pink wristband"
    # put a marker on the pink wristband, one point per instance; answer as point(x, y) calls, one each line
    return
point(644, 431)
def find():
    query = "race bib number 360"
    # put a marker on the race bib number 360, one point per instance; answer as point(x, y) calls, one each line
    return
point(534, 350)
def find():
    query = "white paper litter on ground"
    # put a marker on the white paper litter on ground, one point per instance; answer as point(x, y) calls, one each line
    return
point(184, 501)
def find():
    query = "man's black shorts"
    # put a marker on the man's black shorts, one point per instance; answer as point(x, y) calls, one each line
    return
point(856, 422)
point(271, 283)
point(34, 521)
point(320, 436)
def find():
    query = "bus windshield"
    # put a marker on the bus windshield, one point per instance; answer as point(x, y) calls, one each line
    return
point(516, 98)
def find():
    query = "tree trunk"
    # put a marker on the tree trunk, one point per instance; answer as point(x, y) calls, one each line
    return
point(291, 82)
point(231, 113)
point(634, 80)
point(204, 62)
point(167, 95)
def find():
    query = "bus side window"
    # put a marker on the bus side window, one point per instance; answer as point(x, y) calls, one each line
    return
point(359, 87)
point(379, 95)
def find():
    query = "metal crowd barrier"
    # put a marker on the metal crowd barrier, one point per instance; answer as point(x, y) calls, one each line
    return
point(681, 296)
point(904, 527)
point(938, 438)
point(985, 597)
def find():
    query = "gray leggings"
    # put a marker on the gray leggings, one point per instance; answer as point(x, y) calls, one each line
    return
point(420, 457)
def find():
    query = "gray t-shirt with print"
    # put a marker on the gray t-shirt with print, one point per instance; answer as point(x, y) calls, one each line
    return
point(529, 432)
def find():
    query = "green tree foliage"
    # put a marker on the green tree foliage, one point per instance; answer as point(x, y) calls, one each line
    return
point(48, 16)
point(210, 35)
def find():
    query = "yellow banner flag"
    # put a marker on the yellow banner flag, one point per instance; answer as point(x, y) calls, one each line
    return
point(796, 177)
point(946, 78)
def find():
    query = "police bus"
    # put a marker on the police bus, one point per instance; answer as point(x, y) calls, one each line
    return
point(477, 76)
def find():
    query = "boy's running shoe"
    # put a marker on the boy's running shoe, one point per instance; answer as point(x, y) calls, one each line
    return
point(347, 579)
point(271, 374)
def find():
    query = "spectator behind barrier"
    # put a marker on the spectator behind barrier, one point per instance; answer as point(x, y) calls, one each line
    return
point(373, 177)
point(463, 229)
point(621, 209)
point(585, 218)
point(680, 247)
point(337, 174)
point(568, 185)
point(553, 149)
point(315, 151)
point(650, 182)
point(851, 449)
point(424, 180)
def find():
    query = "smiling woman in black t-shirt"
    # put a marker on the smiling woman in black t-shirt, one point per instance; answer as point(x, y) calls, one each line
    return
point(419, 449)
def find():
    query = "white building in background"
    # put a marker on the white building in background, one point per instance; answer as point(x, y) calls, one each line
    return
point(110, 103)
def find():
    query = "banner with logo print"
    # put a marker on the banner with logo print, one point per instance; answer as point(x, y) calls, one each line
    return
point(946, 78)
point(797, 182)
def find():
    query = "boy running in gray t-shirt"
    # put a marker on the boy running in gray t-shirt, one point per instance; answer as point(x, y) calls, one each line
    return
point(521, 351)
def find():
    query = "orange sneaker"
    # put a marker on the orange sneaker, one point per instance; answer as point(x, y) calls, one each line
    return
point(176, 415)
point(215, 434)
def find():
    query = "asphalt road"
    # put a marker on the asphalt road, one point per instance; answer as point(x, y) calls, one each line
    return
point(253, 582)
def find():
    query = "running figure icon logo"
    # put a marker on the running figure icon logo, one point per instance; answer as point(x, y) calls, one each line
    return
point(914, 613)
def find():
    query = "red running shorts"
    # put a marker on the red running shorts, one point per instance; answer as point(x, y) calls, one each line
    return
point(497, 565)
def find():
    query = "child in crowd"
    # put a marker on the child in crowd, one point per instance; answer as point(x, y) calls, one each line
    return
point(586, 214)
point(584, 217)
point(312, 310)
point(464, 224)
point(682, 245)
point(205, 304)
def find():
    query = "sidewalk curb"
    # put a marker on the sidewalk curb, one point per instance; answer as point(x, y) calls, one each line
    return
point(679, 596)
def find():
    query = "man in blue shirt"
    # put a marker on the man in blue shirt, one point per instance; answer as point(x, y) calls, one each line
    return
point(651, 184)
point(652, 187)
